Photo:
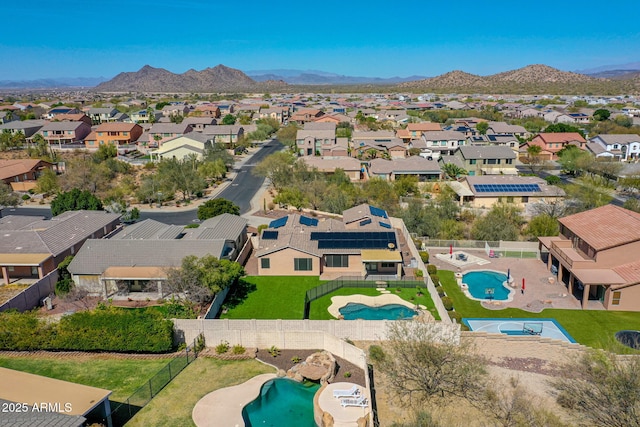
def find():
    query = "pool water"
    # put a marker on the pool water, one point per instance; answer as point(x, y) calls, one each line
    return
point(283, 403)
point(354, 311)
point(480, 281)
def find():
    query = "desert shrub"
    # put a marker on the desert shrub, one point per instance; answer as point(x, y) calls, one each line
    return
point(435, 279)
point(448, 303)
point(424, 256)
point(347, 374)
point(440, 291)
point(26, 197)
point(296, 359)
point(419, 273)
point(432, 269)
point(238, 349)
point(222, 348)
point(274, 351)
point(63, 287)
point(376, 353)
point(454, 315)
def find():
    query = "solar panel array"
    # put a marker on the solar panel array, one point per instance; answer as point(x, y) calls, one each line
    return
point(384, 224)
point(277, 223)
point(350, 240)
point(269, 235)
point(506, 188)
point(365, 222)
point(305, 220)
point(378, 212)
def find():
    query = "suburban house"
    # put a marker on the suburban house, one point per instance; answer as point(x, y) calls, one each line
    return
point(352, 167)
point(502, 128)
point(52, 113)
point(444, 142)
point(208, 110)
point(161, 132)
point(306, 115)
point(486, 190)
point(118, 134)
point(102, 115)
point(596, 257)
point(417, 166)
point(22, 175)
point(485, 160)
point(136, 260)
point(298, 245)
point(622, 147)
point(551, 143)
point(416, 129)
point(281, 114)
point(224, 134)
point(316, 138)
point(175, 110)
point(573, 118)
point(32, 247)
point(198, 124)
point(392, 149)
point(180, 147)
point(62, 133)
point(144, 116)
point(80, 117)
point(27, 127)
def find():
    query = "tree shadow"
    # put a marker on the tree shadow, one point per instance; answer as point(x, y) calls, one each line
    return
point(239, 293)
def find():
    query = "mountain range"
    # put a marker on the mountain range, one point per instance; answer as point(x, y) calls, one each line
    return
point(62, 82)
point(315, 77)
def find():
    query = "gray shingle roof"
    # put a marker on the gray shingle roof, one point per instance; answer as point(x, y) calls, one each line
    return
point(413, 164)
point(487, 152)
point(62, 126)
point(150, 229)
point(34, 418)
point(169, 128)
point(225, 226)
point(96, 255)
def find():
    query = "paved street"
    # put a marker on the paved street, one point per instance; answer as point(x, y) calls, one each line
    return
point(240, 191)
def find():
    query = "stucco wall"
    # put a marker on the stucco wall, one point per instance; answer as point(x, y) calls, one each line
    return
point(282, 264)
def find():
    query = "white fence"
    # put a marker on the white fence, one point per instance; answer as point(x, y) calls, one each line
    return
point(399, 224)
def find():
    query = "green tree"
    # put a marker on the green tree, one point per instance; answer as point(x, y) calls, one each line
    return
point(7, 196)
point(276, 167)
point(380, 193)
point(287, 135)
point(482, 127)
point(64, 283)
point(212, 170)
point(587, 193)
point(601, 114)
point(502, 222)
point(623, 120)
point(453, 171)
point(48, 182)
point(215, 207)
point(181, 176)
point(534, 158)
point(406, 185)
point(563, 127)
point(290, 196)
point(632, 204)
point(542, 225)
point(105, 151)
point(574, 160)
point(229, 119)
point(75, 200)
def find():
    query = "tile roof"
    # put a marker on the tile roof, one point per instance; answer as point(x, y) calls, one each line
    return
point(149, 229)
point(62, 126)
point(629, 272)
point(96, 255)
point(442, 135)
point(223, 129)
point(487, 152)
point(11, 168)
point(320, 126)
point(331, 164)
point(413, 165)
point(605, 227)
point(622, 139)
point(116, 127)
point(561, 137)
point(424, 126)
point(169, 128)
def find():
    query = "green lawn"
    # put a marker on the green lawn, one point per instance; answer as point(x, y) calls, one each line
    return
point(593, 328)
point(174, 404)
point(318, 309)
point(269, 297)
point(123, 377)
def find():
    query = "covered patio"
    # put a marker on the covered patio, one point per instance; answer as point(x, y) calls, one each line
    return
point(381, 262)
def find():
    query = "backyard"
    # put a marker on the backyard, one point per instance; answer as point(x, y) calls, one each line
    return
point(593, 328)
point(173, 405)
point(282, 297)
point(122, 376)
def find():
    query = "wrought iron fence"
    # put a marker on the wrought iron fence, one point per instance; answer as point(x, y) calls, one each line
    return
point(142, 396)
point(354, 282)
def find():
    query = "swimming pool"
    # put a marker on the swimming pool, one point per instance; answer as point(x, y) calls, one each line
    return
point(283, 403)
point(546, 328)
point(486, 284)
point(353, 311)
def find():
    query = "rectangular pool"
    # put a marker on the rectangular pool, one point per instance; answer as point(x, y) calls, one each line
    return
point(547, 328)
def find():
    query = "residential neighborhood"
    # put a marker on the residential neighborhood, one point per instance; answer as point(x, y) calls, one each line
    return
point(219, 247)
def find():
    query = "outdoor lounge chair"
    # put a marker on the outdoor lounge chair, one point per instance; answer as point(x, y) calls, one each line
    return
point(358, 401)
point(353, 392)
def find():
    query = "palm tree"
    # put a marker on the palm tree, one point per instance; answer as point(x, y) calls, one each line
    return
point(453, 171)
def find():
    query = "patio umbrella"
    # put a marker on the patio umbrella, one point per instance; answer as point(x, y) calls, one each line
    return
point(523, 283)
point(508, 274)
point(450, 249)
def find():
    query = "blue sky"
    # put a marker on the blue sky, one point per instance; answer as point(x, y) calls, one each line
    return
point(66, 38)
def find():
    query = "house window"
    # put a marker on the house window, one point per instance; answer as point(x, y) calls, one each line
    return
point(443, 143)
point(11, 269)
point(302, 264)
point(265, 263)
point(509, 161)
point(472, 161)
point(125, 133)
point(34, 271)
point(99, 133)
point(509, 199)
point(525, 199)
point(387, 264)
point(490, 161)
point(615, 298)
point(337, 260)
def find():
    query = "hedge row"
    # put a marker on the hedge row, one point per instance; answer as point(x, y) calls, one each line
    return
point(111, 329)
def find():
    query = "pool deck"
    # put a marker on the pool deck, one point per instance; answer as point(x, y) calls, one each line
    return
point(539, 292)
point(343, 417)
point(227, 403)
point(338, 302)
